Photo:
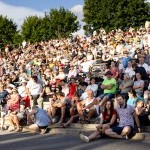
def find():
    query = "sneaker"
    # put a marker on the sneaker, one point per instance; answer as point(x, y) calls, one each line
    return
point(125, 137)
point(84, 138)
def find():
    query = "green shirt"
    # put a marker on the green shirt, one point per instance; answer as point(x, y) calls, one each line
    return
point(108, 82)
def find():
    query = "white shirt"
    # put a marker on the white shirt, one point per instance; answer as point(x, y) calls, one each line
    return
point(145, 66)
point(130, 71)
point(93, 87)
point(65, 89)
point(22, 91)
point(72, 73)
point(61, 76)
point(34, 88)
point(86, 66)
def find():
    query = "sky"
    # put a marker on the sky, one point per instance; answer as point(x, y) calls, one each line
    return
point(18, 10)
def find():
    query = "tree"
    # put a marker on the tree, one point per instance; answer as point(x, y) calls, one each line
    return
point(55, 24)
point(7, 30)
point(30, 29)
point(63, 22)
point(112, 14)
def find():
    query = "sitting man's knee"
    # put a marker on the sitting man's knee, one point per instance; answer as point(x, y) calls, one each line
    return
point(126, 130)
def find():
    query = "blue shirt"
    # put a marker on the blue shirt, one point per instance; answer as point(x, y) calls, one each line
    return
point(133, 101)
point(41, 117)
point(125, 61)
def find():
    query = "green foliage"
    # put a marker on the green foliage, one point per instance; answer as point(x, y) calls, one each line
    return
point(31, 29)
point(7, 30)
point(63, 22)
point(55, 24)
point(112, 14)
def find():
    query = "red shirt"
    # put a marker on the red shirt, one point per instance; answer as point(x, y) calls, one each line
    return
point(114, 71)
point(72, 90)
point(107, 117)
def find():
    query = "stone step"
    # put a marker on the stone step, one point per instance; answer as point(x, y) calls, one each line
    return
point(80, 126)
point(76, 131)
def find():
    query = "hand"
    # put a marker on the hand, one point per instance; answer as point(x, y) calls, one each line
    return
point(99, 127)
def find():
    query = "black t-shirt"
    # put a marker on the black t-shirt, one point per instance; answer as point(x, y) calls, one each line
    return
point(3, 96)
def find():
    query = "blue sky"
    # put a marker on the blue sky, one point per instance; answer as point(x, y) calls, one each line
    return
point(42, 5)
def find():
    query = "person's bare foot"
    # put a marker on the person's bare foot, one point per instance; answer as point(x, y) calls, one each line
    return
point(60, 122)
point(65, 125)
point(43, 131)
point(11, 129)
point(18, 130)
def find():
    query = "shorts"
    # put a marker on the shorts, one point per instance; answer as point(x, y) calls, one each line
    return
point(109, 95)
point(68, 104)
point(42, 127)
point(119, 130)
point(20, 116)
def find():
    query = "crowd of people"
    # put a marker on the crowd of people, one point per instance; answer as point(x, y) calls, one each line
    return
point(63, 73)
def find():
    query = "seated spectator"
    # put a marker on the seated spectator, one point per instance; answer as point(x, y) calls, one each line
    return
point(61, 75)
point(92, 86)
point(65, 87)
point(142, 64)
point(126, 115)
point(42, 120)
point(73, 111)
point(87, 113)
point(125, 60)
point(143, 113)
point(4, 95)
point(138, 85)
point(73, 72)
point(22, 90)
point(47, 94)
point(45, 78)
point(34, 89)
point(13, 102)
point(108, 118)
point(109, 86)
point(129, 70)
point(88, 77)
point(81, 88)
point(114, 70)
point(133, 98)
point(18, 118)
point(106, 57)
point(126, 85)
point(72, 88)
point(58, 104)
